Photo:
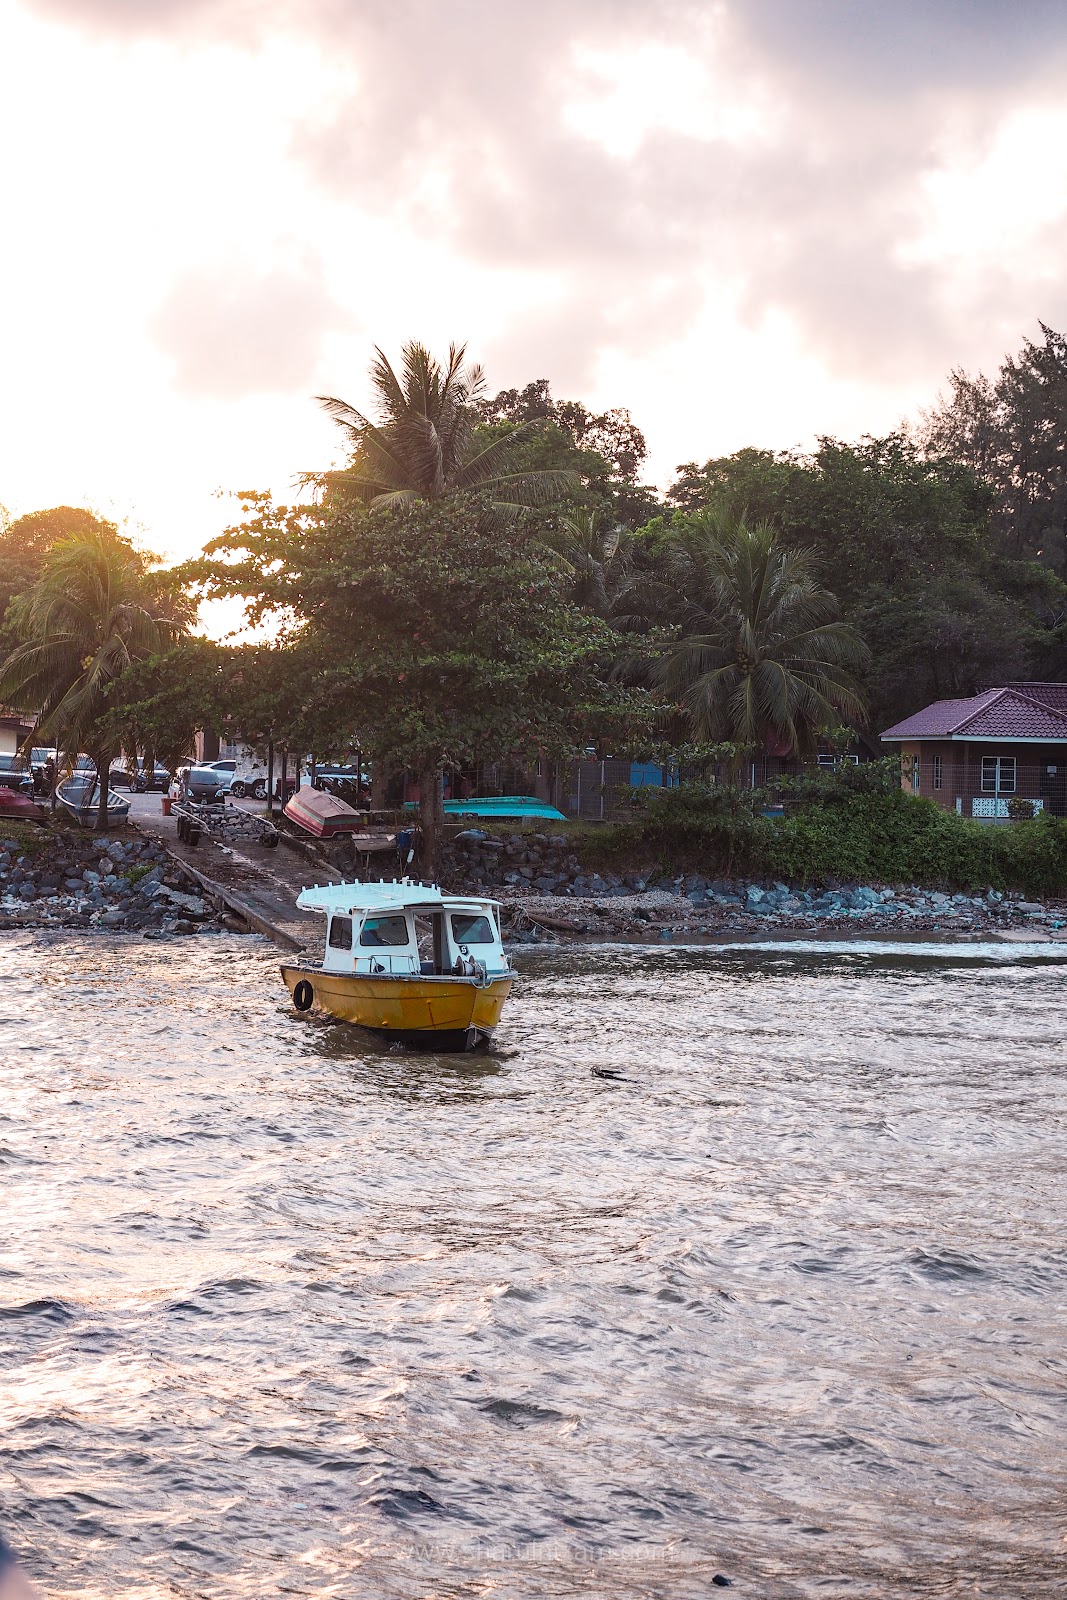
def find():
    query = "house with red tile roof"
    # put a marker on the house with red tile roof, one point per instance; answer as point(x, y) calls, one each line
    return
point(976, 755)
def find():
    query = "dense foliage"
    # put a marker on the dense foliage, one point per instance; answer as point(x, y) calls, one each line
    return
point(436, 640)
point(863, 831)
point(1011, 433)
point(759, 655)
point(96, 608)
point(488, 578)
point(905, 541)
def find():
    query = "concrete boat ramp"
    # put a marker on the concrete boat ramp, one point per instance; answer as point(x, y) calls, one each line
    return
point(255, 883)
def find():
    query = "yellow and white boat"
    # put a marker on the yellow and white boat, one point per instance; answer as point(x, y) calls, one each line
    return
point(413, 964)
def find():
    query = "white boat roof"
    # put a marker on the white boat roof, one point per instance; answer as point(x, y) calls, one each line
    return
point(402, 894)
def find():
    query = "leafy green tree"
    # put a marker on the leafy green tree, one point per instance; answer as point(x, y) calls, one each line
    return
point(905, 542)
point(25, 542)
point(157, 705)
point(1012, 433)
point(605, 451)
point(441, 639)
point(761, 655)
point(426, 443)
point(613, 435)
point(96, 608)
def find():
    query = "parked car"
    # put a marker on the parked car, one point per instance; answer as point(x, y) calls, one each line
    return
point(250, 778)
point(250, 782)
point(341, 779)
point(14, 776)
point(206, 783)
point(119, 778)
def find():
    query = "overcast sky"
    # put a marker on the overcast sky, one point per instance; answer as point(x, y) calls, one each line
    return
point(750, 222)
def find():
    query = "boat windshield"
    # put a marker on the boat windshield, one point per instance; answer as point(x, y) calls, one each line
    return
point(468, 928)
point(377, 931)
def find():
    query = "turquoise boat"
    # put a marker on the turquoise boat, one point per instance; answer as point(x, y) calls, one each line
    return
point(505, 805)
point(502, 805)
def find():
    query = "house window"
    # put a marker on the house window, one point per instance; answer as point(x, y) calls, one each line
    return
point(937, 772)
point(998, 774)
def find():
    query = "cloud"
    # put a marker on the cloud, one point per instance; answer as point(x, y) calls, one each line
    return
point(641, 161)
point(460, 125)
point(236, 332)
point(907, 46)
point(149, 18)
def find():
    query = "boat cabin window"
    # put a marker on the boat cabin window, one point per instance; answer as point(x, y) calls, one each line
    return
point(340, 933)
point(468, 928)
point(378, 931)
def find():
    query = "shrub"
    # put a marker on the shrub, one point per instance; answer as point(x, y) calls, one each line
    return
point(885, 836)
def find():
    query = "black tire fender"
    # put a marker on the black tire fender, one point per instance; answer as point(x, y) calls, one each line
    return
point(303, 995)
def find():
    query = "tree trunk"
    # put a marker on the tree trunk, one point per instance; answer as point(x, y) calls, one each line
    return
point(270, 777)
point(430, 817)
point(103, 772)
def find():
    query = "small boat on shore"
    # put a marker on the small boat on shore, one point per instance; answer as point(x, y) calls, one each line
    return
point(322, 814)
point(79, 796)
point(504, 805)
point(21, 807)
point(407, 961)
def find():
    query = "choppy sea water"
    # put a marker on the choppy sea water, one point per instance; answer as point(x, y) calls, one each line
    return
point(285, 1313)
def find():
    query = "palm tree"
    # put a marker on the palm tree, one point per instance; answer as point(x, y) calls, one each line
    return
point(597, 563)
point(94, 611)
point(761, 651)
point(426, 443)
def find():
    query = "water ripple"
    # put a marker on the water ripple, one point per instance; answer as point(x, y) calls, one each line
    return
point(739, 1260)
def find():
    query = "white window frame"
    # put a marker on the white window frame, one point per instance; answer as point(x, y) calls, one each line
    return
point(939, 772)
point(999, 775)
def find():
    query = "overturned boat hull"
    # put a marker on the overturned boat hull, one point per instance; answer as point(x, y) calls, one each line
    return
point(322, 814)
point(429, 1013)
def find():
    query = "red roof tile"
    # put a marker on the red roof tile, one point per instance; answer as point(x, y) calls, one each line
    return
point(1046, 694)
point(1014, 712)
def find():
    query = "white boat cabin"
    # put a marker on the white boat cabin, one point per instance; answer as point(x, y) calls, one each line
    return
point(407, 929)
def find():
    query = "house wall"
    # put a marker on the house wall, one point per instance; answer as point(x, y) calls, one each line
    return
point(950, 774)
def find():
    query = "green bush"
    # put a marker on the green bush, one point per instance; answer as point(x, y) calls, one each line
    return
point(882, 836)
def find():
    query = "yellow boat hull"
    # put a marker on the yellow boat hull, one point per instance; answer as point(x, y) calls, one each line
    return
point(445, 1013)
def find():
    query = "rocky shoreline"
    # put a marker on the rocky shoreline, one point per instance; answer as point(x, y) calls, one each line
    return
point(66, 878)
point(115, 882)
point(547, 897)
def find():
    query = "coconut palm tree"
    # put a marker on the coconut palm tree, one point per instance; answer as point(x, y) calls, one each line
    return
point(597, 563)
point(95, 610)
point(761, 653)
point(426, 444)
